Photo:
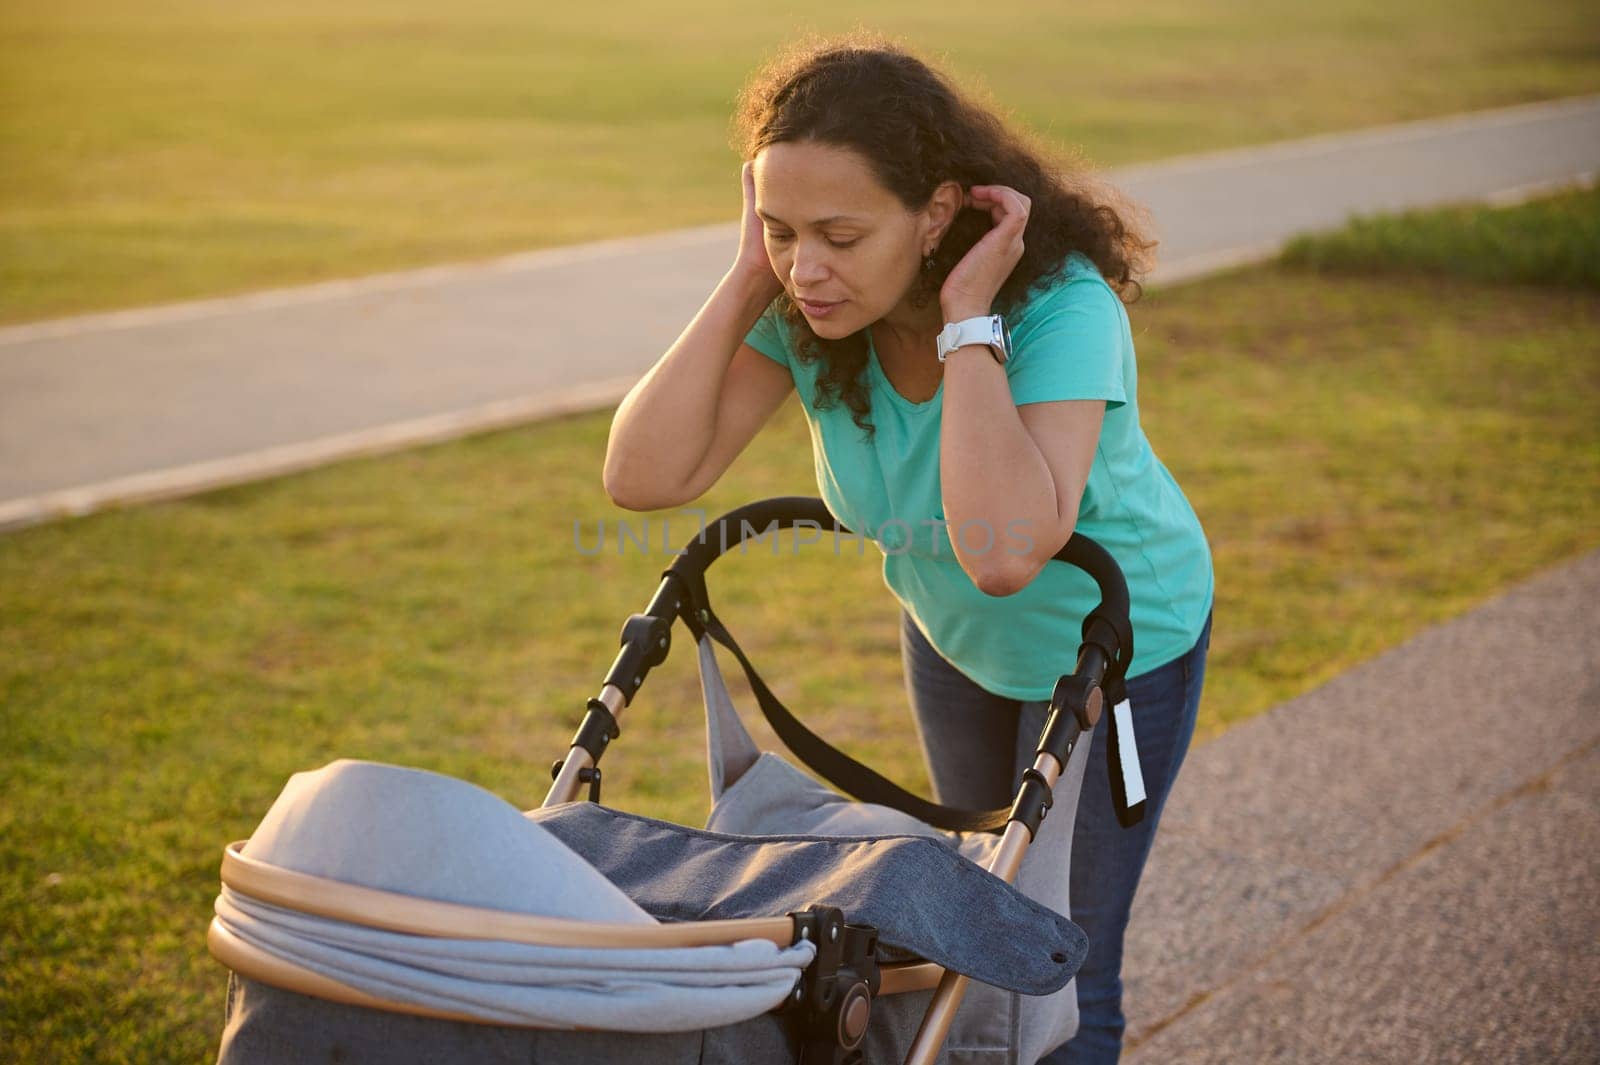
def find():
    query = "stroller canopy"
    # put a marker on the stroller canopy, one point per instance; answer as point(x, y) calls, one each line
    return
point(409, 836)
point(580, 868)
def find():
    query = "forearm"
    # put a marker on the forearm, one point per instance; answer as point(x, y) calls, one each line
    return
point(664, 426)
point(1000, 499)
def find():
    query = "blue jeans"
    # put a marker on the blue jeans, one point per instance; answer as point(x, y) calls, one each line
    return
point(977, 744)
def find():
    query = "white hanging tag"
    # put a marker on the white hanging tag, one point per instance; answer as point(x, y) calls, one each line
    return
point(1128, 753)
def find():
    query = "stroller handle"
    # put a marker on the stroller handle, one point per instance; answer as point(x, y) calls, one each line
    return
point(784, 512)
point(1103, 657)
point(1074, 710)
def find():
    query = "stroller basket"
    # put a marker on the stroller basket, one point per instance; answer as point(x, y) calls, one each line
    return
point(384, 913)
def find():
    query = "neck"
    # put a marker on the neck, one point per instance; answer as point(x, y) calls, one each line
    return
point(914, 328)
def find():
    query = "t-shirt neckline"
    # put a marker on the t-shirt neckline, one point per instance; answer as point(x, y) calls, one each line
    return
point(887, 385)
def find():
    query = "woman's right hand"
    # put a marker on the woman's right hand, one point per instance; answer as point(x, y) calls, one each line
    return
point(753, 262)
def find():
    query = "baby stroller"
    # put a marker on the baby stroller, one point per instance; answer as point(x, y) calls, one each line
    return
point(387, 914)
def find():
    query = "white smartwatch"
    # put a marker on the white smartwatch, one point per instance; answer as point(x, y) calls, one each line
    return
point(989, 330)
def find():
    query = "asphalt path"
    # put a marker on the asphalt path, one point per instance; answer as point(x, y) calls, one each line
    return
point(1398, 867)
point(164, 401)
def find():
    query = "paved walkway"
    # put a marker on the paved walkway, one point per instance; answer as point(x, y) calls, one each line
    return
point(167, 400)
point(1399, 867)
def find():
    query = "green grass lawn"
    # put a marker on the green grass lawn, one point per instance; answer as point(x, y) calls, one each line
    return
point(1554, 241)
point(161, 152)
point(1369, 453)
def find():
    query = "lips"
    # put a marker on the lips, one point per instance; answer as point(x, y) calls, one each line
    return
point(817, 308)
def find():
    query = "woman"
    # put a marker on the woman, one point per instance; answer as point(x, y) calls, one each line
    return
point(886, 220)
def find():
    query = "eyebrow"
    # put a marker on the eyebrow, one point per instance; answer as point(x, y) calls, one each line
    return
point(830, 220)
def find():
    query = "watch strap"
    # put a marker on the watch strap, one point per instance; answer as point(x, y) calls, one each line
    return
point(988, 330)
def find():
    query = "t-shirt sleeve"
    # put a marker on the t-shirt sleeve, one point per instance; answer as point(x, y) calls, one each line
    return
point(1069, 345)
point(769, 336)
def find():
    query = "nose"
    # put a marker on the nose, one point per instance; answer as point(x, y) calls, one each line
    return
point(809, 266)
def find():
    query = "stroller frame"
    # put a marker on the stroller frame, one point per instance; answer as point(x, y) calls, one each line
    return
point(833, 999)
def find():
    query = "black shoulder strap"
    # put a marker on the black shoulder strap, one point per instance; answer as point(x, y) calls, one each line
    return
point(855, 779)
point(838, 768)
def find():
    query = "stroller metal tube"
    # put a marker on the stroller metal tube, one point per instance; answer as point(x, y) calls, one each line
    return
point(1005, 864)
point(567, 782)
point(646, 639)
point(900, 978)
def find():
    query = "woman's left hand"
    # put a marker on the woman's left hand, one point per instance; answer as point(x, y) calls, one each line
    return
point(970, 289)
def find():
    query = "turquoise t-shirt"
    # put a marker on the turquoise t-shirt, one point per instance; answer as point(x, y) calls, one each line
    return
point(1070, 340)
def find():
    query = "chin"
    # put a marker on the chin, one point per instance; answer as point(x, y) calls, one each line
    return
point(831, 330)
point(837, 326)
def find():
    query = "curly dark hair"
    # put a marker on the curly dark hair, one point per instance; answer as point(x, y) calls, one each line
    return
point(917, 131)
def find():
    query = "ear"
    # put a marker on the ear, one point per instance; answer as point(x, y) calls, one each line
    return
point(943, 206)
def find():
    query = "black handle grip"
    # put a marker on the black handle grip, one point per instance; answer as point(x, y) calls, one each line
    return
point(751, 520)
point(1096, 561)
point(785, 512)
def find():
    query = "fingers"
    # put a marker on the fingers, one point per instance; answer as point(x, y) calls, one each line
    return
point(999, 193)
point(1002, 202)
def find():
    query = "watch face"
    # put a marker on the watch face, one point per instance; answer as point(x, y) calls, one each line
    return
point(1002, 336)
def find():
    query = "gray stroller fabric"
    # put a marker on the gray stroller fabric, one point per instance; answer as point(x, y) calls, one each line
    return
point(269, 1026)
point(434, 837)
point(756, 794)
point(924, 899)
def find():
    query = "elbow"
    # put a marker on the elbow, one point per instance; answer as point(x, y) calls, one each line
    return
point(636, 497)
point(1001, 578)
point(1003, 573)
point(621, 493)
point(623, 501)
point(616, 489)
point(627, 497)
point(620, 477)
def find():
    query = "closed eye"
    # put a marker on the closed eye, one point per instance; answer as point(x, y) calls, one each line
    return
point(784, 238)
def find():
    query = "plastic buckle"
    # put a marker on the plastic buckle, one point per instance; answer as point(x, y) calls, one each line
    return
point(589, 776)
point(1080, 695)
point(833, 998)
